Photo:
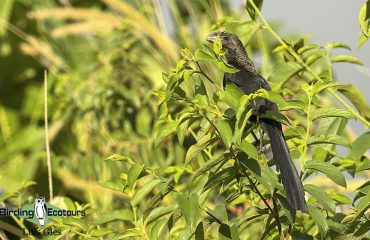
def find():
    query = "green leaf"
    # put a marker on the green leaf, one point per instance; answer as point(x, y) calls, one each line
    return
point(200, 55)
point(356, 97)
point(246, 30)
point(329, 112)
point(157, 228)
point(203, 143)
point(319, 86)
point(249, 149)
point(219, 213)
point(346, 58)
point(113, 215)
point(364, 16)
point(232, 96)
point(282, 72)
point(143, 191)
point(362, 230)
point(131, 233)
point(199, 232)
point(340, 198)
point(329, 170)
point(164, 128)
point(186, 54)
point(133, 174)
point(225, 132)
point(5, 12)
point(250, 9)
point(362, 206)
point(159, 212)
point(360, 146)
point(175, 216)
point(97, 233)
point(217, 45)
point(314, 57)
point(227, 232)
point(322, 197)
point(328, 139)
point(364, 166)
point(117, 157)
point(220, 176)
point(277, 116)
point(226, 68)
point(75, 222)
point(307, 48)
point(211, 163)
point(339, 45)
point(363, 39)
point(181, 130)
point(189, 206)
point(262, 173)
point(114, 185)
point(319, 220)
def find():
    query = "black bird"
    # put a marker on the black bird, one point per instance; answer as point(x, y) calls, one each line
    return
point(249, 81)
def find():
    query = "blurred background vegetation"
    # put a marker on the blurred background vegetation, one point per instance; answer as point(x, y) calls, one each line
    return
point(104, 60)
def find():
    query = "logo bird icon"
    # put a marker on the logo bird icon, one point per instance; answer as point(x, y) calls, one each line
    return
point(40, 210)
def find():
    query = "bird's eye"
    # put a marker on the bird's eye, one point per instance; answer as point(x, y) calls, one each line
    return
point(226, 38)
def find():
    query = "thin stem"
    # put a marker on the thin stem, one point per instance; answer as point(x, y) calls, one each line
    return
point(308, 69)
point(307, 135)
point(256, 189)
point(261, 196)
point(50, 177)
point(280, 229)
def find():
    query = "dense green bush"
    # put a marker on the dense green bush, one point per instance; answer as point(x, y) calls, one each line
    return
point(180, 161)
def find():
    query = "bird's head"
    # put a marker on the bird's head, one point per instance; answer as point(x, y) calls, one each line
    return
point(236, 55)
point(229, 41)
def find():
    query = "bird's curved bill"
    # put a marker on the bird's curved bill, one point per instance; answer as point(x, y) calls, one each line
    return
point(211, 37)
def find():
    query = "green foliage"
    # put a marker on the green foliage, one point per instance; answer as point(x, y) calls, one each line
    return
point(363, 21)
point(145, 139)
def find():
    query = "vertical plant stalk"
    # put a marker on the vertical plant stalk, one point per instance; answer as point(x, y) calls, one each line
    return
point(254, 188)
point(307, 135)
point(306, 67)
point(50, 177)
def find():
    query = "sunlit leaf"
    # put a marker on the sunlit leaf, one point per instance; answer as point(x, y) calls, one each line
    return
point(321, 196)
point(282, 72)
point(328, 139)
point(330, 112)
point(189, 206)
point(133, 174)
point(198, 147)
point(346, 58)
point(353, 94)
point(143, 191)
point(319, 220)
point(226, 132)
point(329, 170)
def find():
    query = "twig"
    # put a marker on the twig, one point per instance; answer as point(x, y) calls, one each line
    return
point(280, 229)
point(3, 235)
point(255, 188)
point(274, 213)
point(50, 177)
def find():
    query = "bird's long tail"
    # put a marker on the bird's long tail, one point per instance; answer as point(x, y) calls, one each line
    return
point(289, 175)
